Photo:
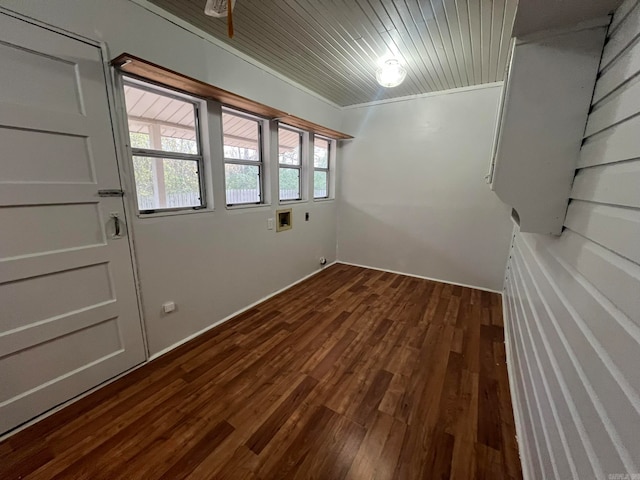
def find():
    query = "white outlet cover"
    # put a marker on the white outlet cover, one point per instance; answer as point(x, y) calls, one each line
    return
point(168, 307)
point(270, 223)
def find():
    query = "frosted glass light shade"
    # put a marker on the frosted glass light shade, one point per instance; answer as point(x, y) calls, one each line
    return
point(391, 73)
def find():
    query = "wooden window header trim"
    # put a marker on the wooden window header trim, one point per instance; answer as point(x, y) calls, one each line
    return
point(163, 76)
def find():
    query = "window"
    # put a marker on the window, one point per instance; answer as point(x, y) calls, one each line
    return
point(242, 141)
point(290, 165)
point(165, 145)
point(321, 150)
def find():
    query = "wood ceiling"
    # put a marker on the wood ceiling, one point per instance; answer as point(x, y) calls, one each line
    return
point(332, 47)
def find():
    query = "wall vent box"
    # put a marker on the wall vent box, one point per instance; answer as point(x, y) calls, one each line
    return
point(284, 219)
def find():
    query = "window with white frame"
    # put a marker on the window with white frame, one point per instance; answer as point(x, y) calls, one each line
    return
point(243, 167)
point(165, 144)
point(289, 163)
point(321, 155)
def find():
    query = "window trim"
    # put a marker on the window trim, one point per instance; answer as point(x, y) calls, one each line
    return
point(299, 167)
point(142, 84)
point(234, 161)
point(327, 170)
point(136, 66)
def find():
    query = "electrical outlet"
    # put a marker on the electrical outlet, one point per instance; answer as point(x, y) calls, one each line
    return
point(270, 223)
point(168, 307)
point(306, 216)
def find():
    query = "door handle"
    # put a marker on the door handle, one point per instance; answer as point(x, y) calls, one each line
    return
point(117, 227)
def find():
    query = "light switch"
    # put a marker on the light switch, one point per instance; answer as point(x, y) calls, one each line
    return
point(270, 224)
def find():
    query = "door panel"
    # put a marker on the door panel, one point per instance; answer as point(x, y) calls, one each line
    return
point(73, 164)
point(68, 309)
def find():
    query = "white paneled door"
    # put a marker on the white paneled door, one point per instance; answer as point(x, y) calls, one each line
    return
point(68, 310)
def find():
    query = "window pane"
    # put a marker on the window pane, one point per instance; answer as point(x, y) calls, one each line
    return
point(289, 183)
point(288, 147)
point(241, 137)
point(160, 122)
point(166, 183)
point(320, 184)
point(243, 183)
point(180, 145)
point(320, 153)
point(140, 139)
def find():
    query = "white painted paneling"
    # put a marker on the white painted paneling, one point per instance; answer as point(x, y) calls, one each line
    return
point(615, 228)
point(621, 13)
point(615, 144)
point(617, 184)
point(558, 325)
point(615, 277)
point(412, 189)
point(582, 290)
point(575, 453)
point(626, 33)
point(619, 108)
point(617, 74)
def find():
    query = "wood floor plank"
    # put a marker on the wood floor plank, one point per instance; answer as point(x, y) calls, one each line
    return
point(191, 458)
point(263, 435)
point(365, 462)
point(353, 373)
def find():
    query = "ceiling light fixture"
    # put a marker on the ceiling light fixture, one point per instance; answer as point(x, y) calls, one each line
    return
point(391, 73)
point(218, 8)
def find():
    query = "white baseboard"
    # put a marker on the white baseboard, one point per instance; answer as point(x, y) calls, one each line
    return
point(420, 276)
point(234, 314)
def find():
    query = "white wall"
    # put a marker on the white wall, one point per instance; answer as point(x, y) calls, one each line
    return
point(573, 302)
point(412, 193)
point(210, 263)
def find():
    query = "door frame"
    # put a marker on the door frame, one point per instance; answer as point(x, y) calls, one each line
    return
point(121, 156)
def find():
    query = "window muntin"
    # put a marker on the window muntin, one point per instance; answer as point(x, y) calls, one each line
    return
point(321, 165)
point(289, 163)
point(242, 143)
point(165, 145)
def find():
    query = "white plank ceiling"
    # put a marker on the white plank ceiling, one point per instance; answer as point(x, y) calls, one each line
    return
point(332, 46)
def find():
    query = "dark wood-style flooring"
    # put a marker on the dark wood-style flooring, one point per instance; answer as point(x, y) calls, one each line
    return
point(354, 373)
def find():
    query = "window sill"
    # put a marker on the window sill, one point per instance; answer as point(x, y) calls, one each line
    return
point(173, 213)
point(292, 202)
point(247, 206)
point(321, 200)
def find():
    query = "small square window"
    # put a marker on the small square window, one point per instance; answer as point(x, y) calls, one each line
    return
point(290, 164)
point(321, 170)
point(320, 184)
point(164, 183)
point(243, 183)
